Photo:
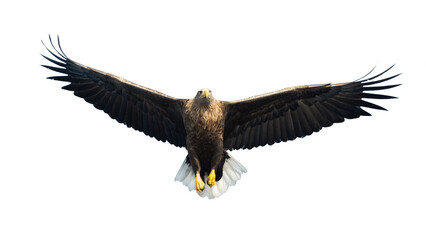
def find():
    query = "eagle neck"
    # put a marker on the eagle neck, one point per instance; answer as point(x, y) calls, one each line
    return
point(204, 119)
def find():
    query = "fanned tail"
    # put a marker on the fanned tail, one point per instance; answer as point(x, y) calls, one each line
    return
point(232, 171)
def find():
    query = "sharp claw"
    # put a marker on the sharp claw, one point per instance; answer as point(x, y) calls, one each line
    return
point(199, 184)
point(211, 179)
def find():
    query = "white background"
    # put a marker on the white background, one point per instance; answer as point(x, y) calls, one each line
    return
point(67, 171)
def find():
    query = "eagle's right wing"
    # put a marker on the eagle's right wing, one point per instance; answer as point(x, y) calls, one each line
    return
point(297, 112)
point(144, 109)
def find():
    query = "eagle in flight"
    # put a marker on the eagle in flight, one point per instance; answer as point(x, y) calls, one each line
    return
point(209, 128)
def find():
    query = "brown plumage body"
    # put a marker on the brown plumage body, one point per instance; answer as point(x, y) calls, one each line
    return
point(205, 147)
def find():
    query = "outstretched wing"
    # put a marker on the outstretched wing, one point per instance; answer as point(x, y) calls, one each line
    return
point(299, 111)
point(146, 110)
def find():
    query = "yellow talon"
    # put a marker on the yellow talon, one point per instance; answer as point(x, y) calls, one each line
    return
point(199, 184)
point(211, 179)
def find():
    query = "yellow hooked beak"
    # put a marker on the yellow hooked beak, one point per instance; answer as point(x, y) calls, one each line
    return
point(206, 93)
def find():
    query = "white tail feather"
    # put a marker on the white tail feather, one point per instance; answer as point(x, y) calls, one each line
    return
point(232, 171)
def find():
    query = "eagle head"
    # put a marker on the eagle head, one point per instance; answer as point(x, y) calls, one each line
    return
point(204, 95)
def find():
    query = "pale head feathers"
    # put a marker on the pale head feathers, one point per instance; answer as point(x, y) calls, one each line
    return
point(204, 94)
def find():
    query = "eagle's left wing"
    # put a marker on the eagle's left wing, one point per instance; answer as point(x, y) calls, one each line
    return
point(144, 109)
point(297, 112)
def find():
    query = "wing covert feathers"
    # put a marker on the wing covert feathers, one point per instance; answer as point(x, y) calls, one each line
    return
point(143, 109)
point(299, 111)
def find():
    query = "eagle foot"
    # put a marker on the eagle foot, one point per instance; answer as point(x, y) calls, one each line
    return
point(211, 179)
point(199, 184)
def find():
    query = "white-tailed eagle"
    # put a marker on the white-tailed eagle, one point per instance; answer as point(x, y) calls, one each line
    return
point(207, 127)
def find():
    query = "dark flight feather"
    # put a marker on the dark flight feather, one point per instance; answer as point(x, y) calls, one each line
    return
point(300, 111)
point(122, 100)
